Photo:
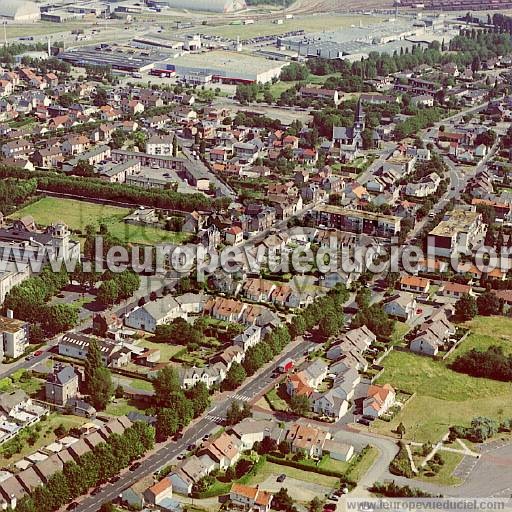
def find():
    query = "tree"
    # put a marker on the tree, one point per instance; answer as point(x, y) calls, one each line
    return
point(330, 324)
point(315, 505)
point(83, 168)
point(165, 384)
point(235, 376)
point(284, 447)
point(108, 292)
point(489, 304)
point(300, 404)
point(59, 318)
point(237, 412)
point(466, 307)
point(282, 500)
point(400, 430)
point(98, 381)
point(167, 424)
point(200, 398)
point(101, 389)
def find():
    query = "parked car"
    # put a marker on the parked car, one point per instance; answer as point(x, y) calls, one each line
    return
point(115, 479)
point(281, 478)
point(134, 466)
point(72, 506)
point(191, 447)
point(38, 353)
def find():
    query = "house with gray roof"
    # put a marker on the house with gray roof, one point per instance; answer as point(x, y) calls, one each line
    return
point(11, 491)
point(157, 312)
point(29, 479)
point(61, 385)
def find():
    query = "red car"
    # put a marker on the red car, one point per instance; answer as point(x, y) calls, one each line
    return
point(38, 353)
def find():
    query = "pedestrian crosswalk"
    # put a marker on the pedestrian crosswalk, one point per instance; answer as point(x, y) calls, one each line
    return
point(241, 398)
point(216, 419)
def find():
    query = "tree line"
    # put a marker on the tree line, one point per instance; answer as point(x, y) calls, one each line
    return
point(98, 189)
point(29, 302)
point(104, 461)
point(492, 363)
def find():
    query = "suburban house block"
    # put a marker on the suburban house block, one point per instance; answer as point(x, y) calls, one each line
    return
point(414, 284)
point(401, 306)
point(379, 399)
point(250, 498)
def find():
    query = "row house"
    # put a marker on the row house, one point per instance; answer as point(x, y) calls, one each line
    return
point(17, 148)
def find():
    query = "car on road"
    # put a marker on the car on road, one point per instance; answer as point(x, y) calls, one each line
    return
point(38, 353)
point(72, 506)
point(29, 357)
point(281, 478)
point(95, 491)
point(135, 466)
point(115, 479)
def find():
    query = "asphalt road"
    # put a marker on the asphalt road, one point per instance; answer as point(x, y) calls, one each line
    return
point(165, 453)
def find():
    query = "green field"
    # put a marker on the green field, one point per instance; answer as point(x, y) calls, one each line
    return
point(317, 23)
point(485, 332)
point(166, 350)
point(443, 397)
point(78, 214)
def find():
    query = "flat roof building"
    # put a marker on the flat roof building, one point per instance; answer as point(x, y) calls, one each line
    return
point(228, 66)
point(20, 11)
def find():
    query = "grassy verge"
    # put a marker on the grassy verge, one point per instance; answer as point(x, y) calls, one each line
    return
point(445, 474)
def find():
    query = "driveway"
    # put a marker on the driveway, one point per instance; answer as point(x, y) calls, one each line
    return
point(298, 489)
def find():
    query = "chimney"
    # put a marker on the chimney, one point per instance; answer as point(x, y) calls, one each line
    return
point(10, 313)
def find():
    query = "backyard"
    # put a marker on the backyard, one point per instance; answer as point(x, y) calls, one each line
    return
point(35, 437)
point(78, 214)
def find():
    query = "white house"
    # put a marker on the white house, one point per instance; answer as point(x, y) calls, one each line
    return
point(154, 313)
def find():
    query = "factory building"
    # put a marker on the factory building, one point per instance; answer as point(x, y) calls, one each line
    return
point(19, 11)
point(226, 67)
point(206, 5)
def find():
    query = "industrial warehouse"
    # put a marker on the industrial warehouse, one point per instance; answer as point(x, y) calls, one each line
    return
point(19, 11)
point(204, 5)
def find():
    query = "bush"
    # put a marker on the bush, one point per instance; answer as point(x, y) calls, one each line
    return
point(401, 465)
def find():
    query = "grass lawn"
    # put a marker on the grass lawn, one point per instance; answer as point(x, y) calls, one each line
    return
point(46, 435)
point(275, 401)
point(143, 385)
point(120, 407)
point(366, 462)
point(445, 474)
point(399, 331)
point(78, 214)
point(443, 398)
point(485, 332)
point(39, 28)
point(31, 385)
point(166, 350)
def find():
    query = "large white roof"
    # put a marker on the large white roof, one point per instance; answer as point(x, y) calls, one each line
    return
point(207, 5)
point(12, 8)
